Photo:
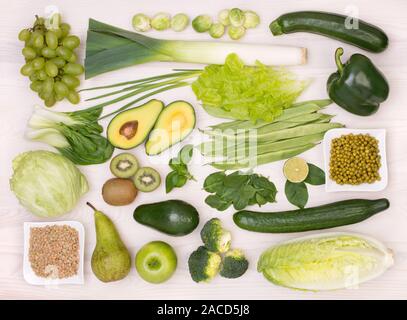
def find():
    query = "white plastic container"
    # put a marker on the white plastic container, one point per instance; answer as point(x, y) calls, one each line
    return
point(380, 135)
point(28, 272)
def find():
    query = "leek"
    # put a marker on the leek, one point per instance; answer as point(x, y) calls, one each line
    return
point(109, 48)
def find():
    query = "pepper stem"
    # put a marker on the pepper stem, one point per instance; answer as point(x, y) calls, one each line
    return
point(338, 55)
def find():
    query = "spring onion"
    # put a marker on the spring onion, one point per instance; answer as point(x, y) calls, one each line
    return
point(109, 48)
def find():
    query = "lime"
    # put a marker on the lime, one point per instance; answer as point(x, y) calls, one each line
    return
point(295, 170)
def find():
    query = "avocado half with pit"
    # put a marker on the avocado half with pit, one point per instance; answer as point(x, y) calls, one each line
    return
point(131, 127)
point(174, 124)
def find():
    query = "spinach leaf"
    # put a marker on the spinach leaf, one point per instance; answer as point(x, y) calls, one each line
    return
point(214, 182)
point(217, 202)
point(316, 176)
point(296, 193)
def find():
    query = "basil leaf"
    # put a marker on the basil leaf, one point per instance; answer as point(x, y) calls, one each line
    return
point(296, 193)
point(217, 202)
point(174, 180)
point(316, 176)
point(185, 155)
point(214, 182)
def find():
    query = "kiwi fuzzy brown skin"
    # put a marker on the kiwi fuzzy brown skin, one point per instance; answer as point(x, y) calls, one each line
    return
point(147, 172)
point(130, 160)
point(119, 192)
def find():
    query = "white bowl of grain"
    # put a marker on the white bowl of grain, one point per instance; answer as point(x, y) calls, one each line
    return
point(53, 253)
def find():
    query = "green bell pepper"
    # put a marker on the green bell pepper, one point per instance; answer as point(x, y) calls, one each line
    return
point(358, 86)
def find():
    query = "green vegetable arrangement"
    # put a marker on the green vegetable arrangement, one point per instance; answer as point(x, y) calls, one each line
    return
point(243, 144)
point(76, 135)
point(47, 184)
point(179, 175)
point(326, 261)
point(238, 189)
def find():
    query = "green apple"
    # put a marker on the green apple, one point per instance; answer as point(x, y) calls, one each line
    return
point(156, 262)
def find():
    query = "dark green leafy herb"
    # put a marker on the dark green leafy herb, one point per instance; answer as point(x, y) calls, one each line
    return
point(179, 175)
point(296, 193)
point(238, 189)
point(316, 176)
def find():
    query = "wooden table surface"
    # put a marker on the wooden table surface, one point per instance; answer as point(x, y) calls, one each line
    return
point(17, 102)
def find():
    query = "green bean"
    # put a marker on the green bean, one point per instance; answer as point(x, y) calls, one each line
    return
point(261, 159)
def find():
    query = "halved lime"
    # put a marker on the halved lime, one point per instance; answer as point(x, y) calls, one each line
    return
point(295, 170)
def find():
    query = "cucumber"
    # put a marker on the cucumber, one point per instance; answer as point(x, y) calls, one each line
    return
point(365, 36)
point(173, 217)
point(323, 217)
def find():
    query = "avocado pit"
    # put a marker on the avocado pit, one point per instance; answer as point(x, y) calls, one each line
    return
point(129, 129)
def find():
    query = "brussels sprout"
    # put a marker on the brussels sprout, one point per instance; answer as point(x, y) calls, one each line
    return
point(202, 23)
point(161, 21)
point(141, 22)
point(252, 19)
point(217, 30)
point(223, 17)
point(179, 22)
point(236, 33)
point(236, 17)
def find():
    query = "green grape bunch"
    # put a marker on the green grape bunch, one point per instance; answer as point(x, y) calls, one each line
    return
point(51, 62)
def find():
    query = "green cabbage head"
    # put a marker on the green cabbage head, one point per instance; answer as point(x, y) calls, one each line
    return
point(47, 184)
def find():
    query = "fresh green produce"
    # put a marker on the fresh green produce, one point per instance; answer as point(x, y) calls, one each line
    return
point(322, 217)
point(175, 122)
point(203, 264)
point(119, 192)
point(244, 144)
point(231, 85)
point(130, 128)
point(147, 179)
point(235, 33)
point(251, 20)
point(236, 17)
point(223, 17)
point(234, 264)
point(111, 260)
point(354, 159)
point(46, 41)
point(214, 237)
point(47, 184)
point(156, 262)
point(326, 261)
point(76, 135)
point(141, 22)
point(179, 175)
point(106, 43)
point(124, 165)
point(296, 170)
point(217, 30)
point(179, 22)
point(173, 217)
point(358, 86)
point(298, 174)
point(161, 21)
point(202, 23)
point(340, 27)
point(238, 189)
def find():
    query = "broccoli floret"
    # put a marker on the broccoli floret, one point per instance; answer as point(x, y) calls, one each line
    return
point(214, 237)
point(234, 264)
point(203, 264)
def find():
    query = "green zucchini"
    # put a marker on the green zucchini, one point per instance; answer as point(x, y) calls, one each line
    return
point(323, 217)
point(365, 36)
point(173, 217)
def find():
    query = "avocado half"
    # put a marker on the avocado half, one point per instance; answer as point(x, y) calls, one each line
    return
point(174, 124)
point(131, 127)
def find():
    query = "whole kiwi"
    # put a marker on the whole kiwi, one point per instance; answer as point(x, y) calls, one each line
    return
point(119, 192)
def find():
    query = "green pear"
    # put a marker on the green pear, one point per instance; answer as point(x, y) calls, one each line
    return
point(111, 260)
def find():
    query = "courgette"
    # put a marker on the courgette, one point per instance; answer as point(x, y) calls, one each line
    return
point(336, 26)
point(322, 217)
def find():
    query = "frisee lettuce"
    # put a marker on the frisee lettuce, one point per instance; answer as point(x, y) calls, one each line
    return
point(247, 93)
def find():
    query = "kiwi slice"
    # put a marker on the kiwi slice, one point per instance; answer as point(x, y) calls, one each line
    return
point(124, 165)
point(146, 179)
